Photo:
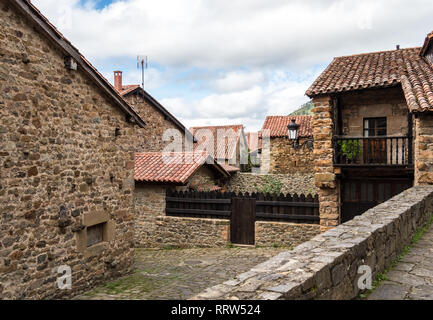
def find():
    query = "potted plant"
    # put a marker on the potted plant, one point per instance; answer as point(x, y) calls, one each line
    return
point(349, 150)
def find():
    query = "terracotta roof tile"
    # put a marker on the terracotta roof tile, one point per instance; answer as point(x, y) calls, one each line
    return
point(254, 140)
point(128, 88)
point(278, 125)
point(380, 70)
point(229, 168)
point(224, 147)
point(174, 167)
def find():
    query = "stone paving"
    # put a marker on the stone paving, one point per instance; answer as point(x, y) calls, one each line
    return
point(412, 277)
point(180, 273)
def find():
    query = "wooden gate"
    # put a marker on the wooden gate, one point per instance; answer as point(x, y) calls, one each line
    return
point(359, 195)
point(242, 221)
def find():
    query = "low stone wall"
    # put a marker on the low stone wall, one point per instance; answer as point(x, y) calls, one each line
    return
point(153, 229)
point(292, 183)
point(182, 232)
point(283, 233)
point(326, 267)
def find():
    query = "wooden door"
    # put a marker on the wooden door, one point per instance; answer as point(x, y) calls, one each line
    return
point(359, 195)
point(375, 150)
point(242, 221)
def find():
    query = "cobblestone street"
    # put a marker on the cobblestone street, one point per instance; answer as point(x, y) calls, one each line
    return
point(412, 277)
point(180, 273)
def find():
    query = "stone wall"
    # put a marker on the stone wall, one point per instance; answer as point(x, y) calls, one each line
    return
point(326, 267)
point(149, 205)
point(284, 234)
point(183, 232)
point(62, 162)
point(284, 159)
point(292, 183)
point(325, 178)
point(153, 229)
point(423, 149)
point(389, 103)
point(151, 137)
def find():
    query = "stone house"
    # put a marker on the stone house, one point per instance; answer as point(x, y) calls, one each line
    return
point(154, 175)
point(372, 129)
point(227, 144)
point(158, 118)
point(284, 156)
point(67, 159)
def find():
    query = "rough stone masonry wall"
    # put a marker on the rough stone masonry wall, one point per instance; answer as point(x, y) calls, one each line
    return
point(325, 179)
point(326, 267)
point(151, 137)
point(60, 161)
point(284, 159)
point(424, 149)
point(153, 229)
point(283, 234)
point(389, 103)
point(292, 183)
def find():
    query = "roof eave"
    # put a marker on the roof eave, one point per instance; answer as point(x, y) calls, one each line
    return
point(52, 34)
point(161, 108)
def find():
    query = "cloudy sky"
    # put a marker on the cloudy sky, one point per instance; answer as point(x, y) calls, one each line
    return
point(233, 61)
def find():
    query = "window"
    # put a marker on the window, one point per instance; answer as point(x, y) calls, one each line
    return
point(95, 234)
point(374, 127)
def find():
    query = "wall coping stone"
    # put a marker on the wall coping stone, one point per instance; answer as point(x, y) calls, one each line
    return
point(326, 266)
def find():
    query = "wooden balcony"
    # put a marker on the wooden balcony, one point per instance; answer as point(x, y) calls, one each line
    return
point(378, 151)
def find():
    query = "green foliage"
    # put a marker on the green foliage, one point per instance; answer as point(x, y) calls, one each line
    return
point(270, 185)
point(349, 148)
point(229, 245)
point(304, 109)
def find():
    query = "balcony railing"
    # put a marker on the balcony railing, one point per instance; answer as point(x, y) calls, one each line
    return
point(373, 151)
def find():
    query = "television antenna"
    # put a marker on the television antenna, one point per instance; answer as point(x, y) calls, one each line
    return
point(142, 62)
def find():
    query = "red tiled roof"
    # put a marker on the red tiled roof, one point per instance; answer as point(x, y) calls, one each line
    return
point(175, 167)
point(277, 125)
point(254, 140)
point(128, 88)
point(380, 70)
point(417, 82)
point(229, 168)
point(224, 147)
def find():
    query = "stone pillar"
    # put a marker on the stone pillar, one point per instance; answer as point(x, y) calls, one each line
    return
point(325, 178)
point(423, 150)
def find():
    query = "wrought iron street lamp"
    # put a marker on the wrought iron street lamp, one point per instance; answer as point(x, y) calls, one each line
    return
point(292, 129)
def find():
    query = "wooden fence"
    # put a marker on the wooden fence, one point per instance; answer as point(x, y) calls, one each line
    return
point(218, 205)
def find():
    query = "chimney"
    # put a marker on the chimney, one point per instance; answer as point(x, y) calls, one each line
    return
point(118, 80)
point(397, 47)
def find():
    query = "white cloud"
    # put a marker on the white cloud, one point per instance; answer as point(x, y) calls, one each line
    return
point(225, 34)
point(254, 58)
point(278, 96)
point(238, 81)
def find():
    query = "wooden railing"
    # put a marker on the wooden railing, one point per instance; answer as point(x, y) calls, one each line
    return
point(373, 151)
point(218, 205)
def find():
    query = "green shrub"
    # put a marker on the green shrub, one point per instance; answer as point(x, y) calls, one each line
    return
point(270, 185)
